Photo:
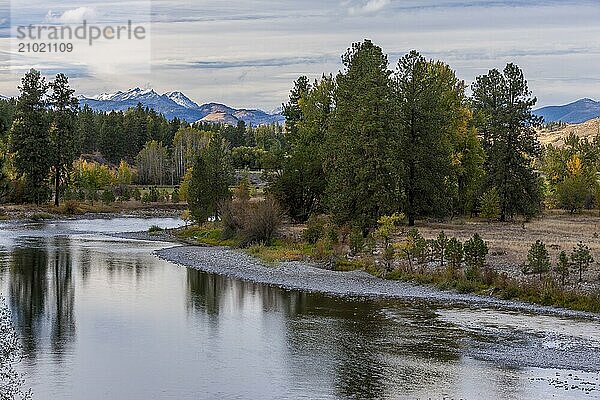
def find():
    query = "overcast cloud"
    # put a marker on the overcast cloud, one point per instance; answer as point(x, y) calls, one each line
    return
point(247, 53)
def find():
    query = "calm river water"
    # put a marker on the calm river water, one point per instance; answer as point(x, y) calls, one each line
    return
point(103, 318)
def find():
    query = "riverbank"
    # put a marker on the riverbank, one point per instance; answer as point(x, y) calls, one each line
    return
point(303, 276)
point(82, 210)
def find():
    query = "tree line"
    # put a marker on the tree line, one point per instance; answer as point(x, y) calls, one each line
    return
point(372, 141)
point(44, 131)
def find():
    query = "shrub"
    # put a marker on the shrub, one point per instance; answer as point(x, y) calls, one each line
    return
point(357, 241)
point(261, 223)
point(155, 229)
point(153, 195)
point(476, 251)
point(562, 267)
point(175, 196)
point(137, 194)
point(315, 228)
point(69, 207)
point(490, 205)
point(108, 196)
point(440, 248)
point(455, 254)
point(414, 247)
point(234, 217)
point(581, 259)
point(538, 259)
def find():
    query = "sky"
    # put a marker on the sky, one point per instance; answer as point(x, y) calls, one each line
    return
point(248, 53)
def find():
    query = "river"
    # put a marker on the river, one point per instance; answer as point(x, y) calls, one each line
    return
point(104, 318)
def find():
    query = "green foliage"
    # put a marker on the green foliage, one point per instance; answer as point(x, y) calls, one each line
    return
point(476, 251)
point(357, 241)
point(503, 115)
point(155, 229)
point(563, 267)
point(431, 108)
point(153, 163)
point(211, 177)
point(360, 178)
point(581, 258)
point(301, 185)
point(63, 131)
point(577, 185)
point(30, 138)
point(454, 254)
point(387, 226)
point(315, 228)
point(108, 196)
point(490, 205)
point(414, 247)
point(538, 259)
point(439, 248)
point(175, 196)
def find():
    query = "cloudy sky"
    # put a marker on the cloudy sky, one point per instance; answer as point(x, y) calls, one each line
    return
point(247, 53)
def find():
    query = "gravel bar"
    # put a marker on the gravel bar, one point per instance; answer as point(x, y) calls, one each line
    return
point(358, 284)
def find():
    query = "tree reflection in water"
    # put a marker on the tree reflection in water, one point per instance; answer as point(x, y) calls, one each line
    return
point(41, 290)
point(368, 348)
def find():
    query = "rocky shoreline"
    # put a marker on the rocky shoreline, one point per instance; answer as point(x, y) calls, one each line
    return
point(310, 278)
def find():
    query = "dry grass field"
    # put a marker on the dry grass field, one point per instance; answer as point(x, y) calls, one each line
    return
point(509, 242)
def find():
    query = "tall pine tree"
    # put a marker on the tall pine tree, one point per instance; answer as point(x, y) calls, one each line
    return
point(63, 130)
point(502, 106)
point(30, 139)
point(211, 177)
point(361, 182)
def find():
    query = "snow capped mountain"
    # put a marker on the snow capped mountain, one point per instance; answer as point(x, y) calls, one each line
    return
point(181, 99)
point(177, 105)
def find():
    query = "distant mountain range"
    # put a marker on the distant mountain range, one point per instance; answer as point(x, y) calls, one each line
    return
point(573, 113)
point(178, 105)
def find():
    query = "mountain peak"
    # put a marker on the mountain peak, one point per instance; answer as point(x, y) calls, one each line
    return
point(176, 104)
point(573, 113)
point(181, 99)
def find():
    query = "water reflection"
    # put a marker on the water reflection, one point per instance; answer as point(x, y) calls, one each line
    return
point(154, 329)
point(28, 287)
point(41, 290)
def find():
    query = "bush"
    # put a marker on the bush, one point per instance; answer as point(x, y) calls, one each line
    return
point(476, 251)
point(357, 241)
point(155, 229)
point(490, 205)
point(108, 196)
point(562, 267)
point(317, 228)
point(137, 194)
point(538, 259)
point(454, 254)
point(261, 223)
point(70, 207)
point(581, 258)
point(175, 196)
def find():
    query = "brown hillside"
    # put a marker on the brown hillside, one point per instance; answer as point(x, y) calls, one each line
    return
point(588, 129)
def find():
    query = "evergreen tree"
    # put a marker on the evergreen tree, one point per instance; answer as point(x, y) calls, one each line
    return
point(87, 130)
point(503, 106)
point(63, 130)
point(291, 110)
point(430, 104)
point(114, 142)
point(30, 139)
point(562, 267)
point(300, 186)
point(476, 251)
point(211, 177)
point(538, 259)
point(581, 258)
point(361, 180)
